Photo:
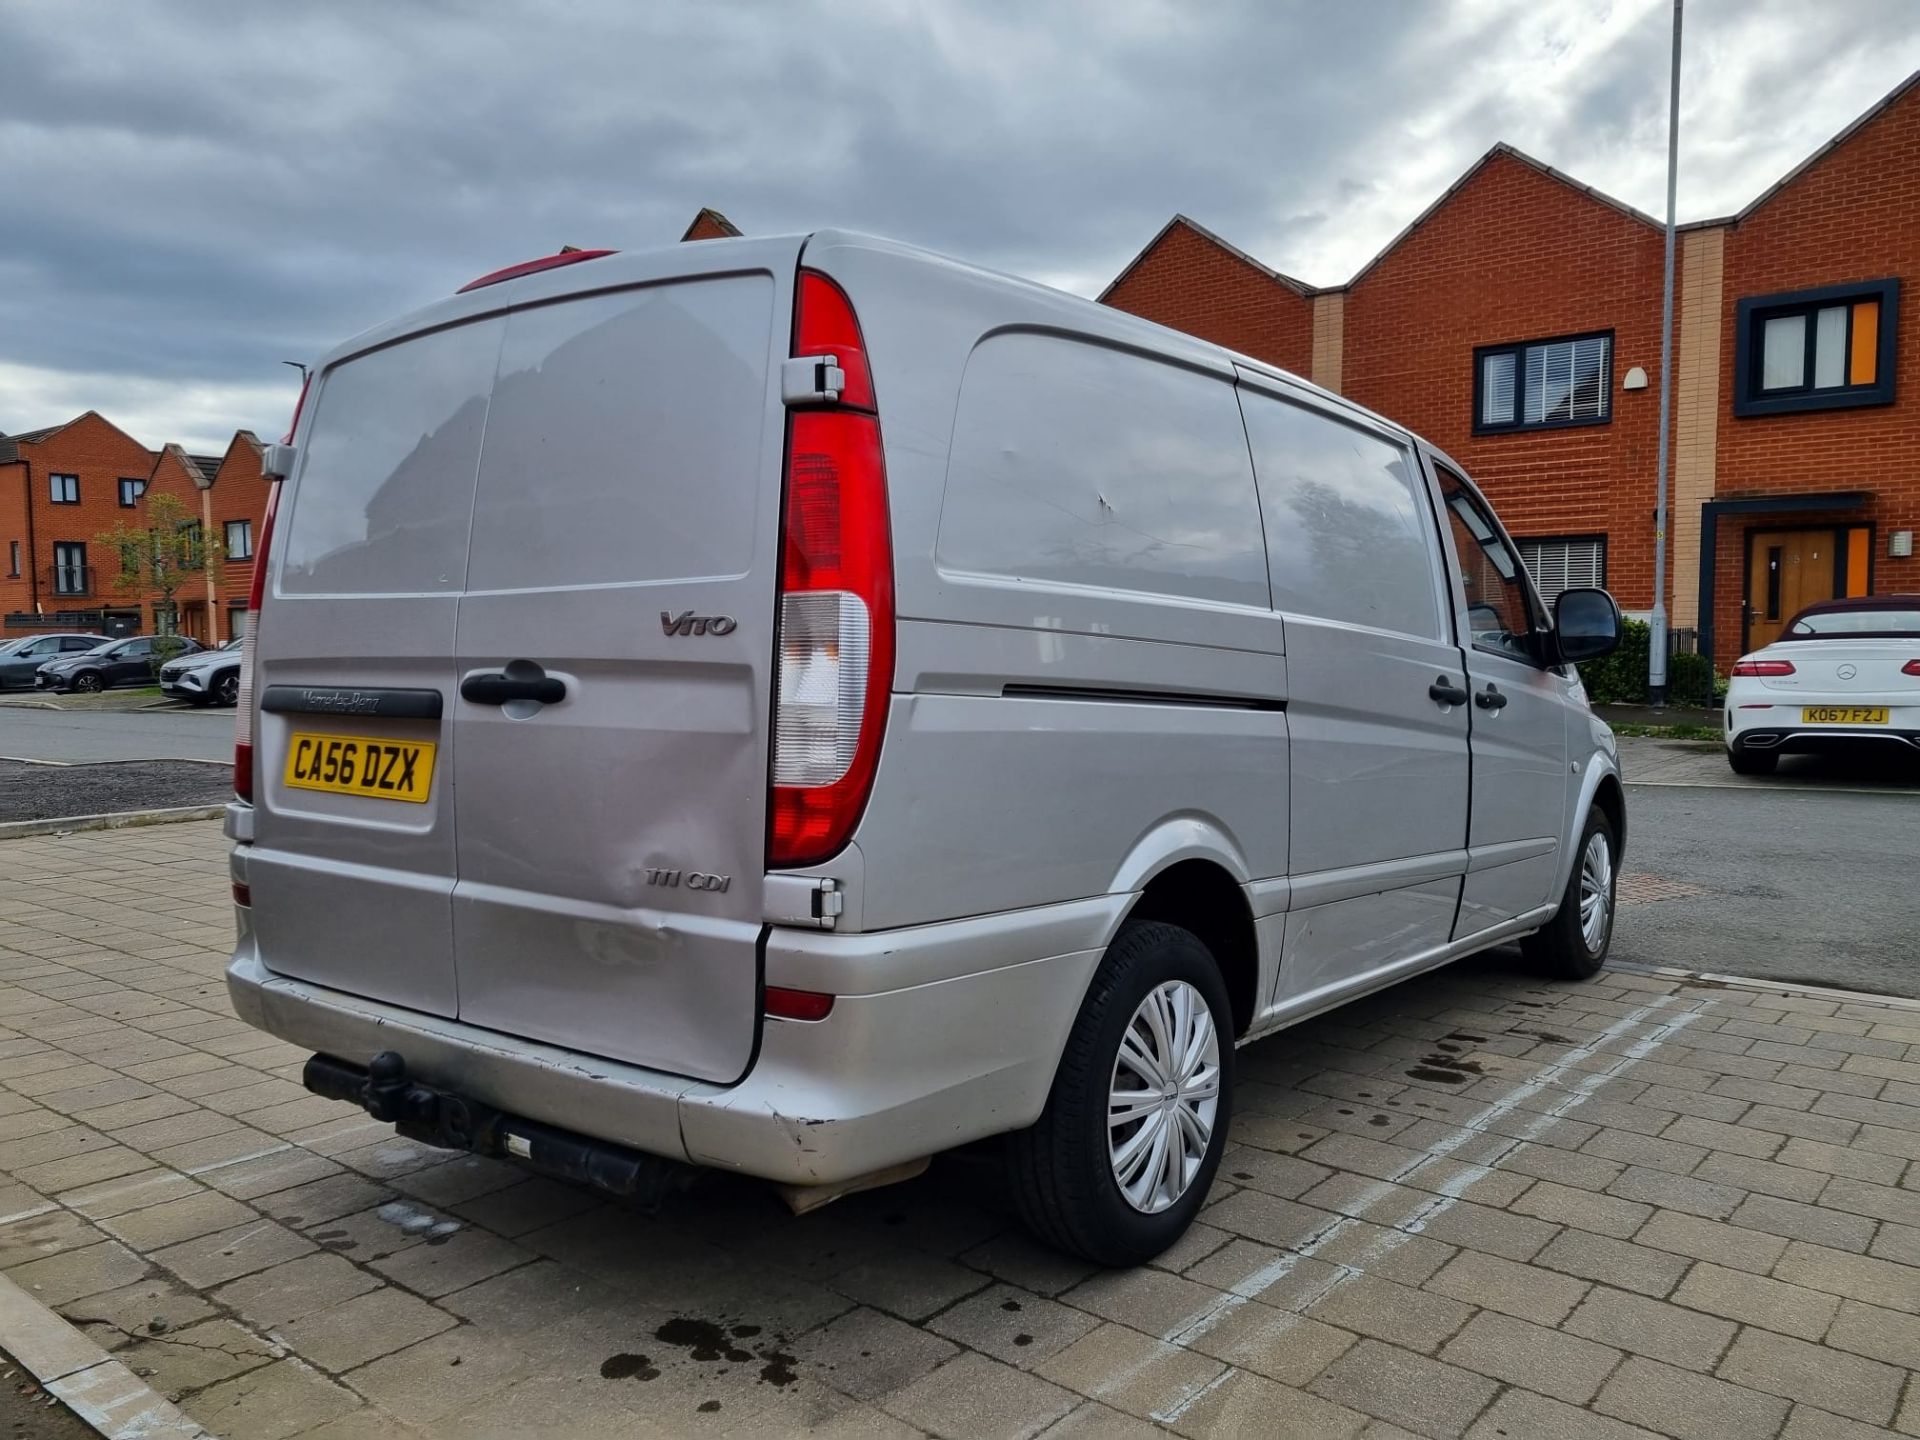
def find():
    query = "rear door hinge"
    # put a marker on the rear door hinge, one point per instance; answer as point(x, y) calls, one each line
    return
point(804, 900)
point(811, 380)
point(276, 461)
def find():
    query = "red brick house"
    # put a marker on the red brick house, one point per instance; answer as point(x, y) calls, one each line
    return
point(63, 487)
point(1516, 323)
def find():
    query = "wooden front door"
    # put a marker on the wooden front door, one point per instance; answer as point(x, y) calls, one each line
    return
point(1786, 571)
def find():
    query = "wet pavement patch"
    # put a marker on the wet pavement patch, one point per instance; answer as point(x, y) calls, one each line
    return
point(701, 1339)
point(779, 1368)
point(628, 1367)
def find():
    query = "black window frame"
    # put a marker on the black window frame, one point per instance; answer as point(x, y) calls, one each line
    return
point(1751, 315)
point(125, 481)
point(226, 538)
point(53, 485)
point(79, 546)
point(13, 559)
point(1518, 349)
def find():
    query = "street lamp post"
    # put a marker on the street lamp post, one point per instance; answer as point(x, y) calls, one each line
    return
point(1657, 647)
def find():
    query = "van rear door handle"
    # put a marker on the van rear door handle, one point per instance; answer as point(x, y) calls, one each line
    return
point(1490, 698)
point(1444, 692)
point(498, 689)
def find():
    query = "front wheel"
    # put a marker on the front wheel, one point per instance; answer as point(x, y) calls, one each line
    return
point(1573, 945)
point(89, 682)
point(226, 690)
point(1122, 1158)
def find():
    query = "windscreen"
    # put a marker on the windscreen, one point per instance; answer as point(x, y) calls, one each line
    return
point(1824, 624)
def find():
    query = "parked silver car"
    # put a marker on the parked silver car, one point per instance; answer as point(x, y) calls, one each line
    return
point(890, 705)
point(209, 677)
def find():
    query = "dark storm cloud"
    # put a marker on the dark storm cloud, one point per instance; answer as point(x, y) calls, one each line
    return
point(196, 190)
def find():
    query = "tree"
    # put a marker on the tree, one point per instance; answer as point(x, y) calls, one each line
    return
point(157, 556)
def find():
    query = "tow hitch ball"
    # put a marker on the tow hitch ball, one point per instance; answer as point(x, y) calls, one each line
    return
point(386, 1093)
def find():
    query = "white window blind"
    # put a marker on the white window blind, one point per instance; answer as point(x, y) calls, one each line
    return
point(1558, 565)
point(1551, 382)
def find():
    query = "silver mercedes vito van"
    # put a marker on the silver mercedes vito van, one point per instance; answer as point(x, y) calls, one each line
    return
point(799, 705)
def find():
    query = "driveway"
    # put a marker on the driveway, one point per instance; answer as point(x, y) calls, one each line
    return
point(1475, 1205)
point(77, 736)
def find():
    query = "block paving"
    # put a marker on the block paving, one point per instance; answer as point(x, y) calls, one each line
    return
point(1477, 1205)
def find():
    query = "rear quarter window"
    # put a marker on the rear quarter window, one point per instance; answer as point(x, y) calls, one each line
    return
point(1077, 464)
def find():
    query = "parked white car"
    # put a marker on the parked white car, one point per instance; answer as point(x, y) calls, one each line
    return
point(1843, 673)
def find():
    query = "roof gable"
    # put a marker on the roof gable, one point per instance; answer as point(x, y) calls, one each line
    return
point(1864, 120)
point(1299, 287)
point(710, 224)
point(1499, 152)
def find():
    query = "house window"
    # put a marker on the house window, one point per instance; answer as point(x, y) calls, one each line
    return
point(65, 489)
point(1825, 349)
point(130, 492)
point(239, 539)
point(13, 559)
point(1571, 564)
point(70, 568)
point(1541, 383)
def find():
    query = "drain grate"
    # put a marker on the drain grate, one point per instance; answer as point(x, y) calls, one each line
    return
point(1644, 889)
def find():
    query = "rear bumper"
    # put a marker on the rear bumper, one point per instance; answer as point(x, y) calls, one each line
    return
point(911, 1061)
point(1821, 739)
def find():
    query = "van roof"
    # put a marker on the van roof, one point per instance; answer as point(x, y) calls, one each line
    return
point(606, 269)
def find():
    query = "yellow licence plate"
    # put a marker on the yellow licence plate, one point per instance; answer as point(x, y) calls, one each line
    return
point(357, 765)
point(1843, 715)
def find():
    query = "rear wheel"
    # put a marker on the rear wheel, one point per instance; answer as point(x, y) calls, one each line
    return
point(1573, 945)
point(89, 682)
point(1122, 1158)
point(1753, 762)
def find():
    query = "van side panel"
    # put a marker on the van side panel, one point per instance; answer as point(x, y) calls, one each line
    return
point(1085, 649)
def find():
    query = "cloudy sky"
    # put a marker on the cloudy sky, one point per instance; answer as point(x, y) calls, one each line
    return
point(193, 190)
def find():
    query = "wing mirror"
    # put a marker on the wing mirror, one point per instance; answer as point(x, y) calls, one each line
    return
point(1586, 625)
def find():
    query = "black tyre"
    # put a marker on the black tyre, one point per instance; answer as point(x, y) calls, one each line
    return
point(1573, 945)
point(1753, 762)
point(1123, 1156)
point(226, 689)
point(89, 682)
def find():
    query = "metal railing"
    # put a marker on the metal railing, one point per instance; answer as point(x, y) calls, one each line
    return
point(71, 580)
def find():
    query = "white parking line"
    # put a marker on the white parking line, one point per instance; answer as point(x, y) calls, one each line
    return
point(1278, 1269)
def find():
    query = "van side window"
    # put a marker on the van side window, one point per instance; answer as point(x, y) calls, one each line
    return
point(1347, 534)
point(1501, 612)
point(1080, 465)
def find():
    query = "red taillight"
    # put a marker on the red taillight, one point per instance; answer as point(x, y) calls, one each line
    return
point(242, 895)
point(835, 663)
point(1755, 668)
point(256, 592)
point(825, 325)
point(1912, 667)
point(785, 1004)
point(530, 267)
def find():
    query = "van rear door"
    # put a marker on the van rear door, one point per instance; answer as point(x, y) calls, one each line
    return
point(613, 655)
point(352, 877)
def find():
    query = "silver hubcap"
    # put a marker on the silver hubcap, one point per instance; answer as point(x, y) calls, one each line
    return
point(1164, 1096)
point(1596, 892)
